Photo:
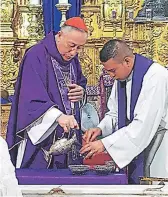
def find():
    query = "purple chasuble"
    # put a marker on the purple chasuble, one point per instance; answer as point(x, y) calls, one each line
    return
point(36, 91)
point(141, 66)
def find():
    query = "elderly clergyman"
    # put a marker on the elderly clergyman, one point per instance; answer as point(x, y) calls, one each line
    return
point(48, 95)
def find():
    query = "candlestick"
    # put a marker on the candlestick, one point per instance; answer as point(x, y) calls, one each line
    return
point(63, 8)
point(63, 1)
point(35, 2)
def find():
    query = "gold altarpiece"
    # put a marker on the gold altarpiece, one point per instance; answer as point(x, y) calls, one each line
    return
point(108, 19)
point(22, 26)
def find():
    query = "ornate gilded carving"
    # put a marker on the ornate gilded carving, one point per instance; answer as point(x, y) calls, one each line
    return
point(35, 28)
point(124, 19)
point(113, 16)
point(87, 64)
point(113, 10)
point(21, 26)
point(6, 10)
point(154, 10)
point(5, 111)
point(88, 20)
point(105, 19)
point(163, 47)
point(90, 2)
point(15, 37)
point(11, 54)
point(15, 20)
point(9, 69)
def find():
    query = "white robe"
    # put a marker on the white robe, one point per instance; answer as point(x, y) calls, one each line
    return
point(8, 182)
point(45, 126)
point(151, 111)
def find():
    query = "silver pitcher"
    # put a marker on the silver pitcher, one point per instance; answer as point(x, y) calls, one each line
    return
point(61, 146)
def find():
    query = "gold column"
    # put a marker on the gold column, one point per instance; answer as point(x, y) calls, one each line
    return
point(63, 8)
point(21, 26)
point(6, 10)
point(8, 67)
point(35, 27)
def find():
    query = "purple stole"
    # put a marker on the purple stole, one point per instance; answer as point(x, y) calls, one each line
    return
point(73, 157)
point(62, 84)
point(141, 66)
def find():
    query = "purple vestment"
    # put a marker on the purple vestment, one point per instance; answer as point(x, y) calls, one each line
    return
point(141, 66)
point(36, 91)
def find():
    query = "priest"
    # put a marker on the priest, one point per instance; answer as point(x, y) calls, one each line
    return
point(135, 129)
point(49, 92)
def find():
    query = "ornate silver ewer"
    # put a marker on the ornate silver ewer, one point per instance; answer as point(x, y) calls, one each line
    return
point(61, 146)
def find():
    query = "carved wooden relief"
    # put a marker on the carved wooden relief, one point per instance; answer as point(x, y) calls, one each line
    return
point(143, 24)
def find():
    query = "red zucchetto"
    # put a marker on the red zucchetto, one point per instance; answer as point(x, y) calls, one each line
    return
point(76, 22)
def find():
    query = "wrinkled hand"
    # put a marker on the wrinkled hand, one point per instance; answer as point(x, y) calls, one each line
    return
point(91, 134)
point(75, 93)
point(92, 148)
point(67, 122)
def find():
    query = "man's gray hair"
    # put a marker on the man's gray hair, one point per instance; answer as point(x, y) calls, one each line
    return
point(67, 28)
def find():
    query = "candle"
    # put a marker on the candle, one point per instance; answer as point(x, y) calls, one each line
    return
point(130, 14)
point(63, 1)
point(35, 2)
point(149, 13)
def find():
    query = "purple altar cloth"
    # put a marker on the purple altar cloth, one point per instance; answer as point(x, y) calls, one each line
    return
point(64, 177)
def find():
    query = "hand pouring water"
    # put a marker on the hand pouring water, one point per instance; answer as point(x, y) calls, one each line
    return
point(61, 146)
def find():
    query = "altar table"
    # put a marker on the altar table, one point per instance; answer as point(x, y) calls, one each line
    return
point(64, 177)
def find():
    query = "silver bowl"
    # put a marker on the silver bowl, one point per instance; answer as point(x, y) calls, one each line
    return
point(78, 169)
point(102, 169)
point(111, 165)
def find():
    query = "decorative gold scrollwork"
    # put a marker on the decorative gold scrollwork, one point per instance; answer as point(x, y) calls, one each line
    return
point(87, 64)
point(6, 9)
point(105, 19)
point(9, 69)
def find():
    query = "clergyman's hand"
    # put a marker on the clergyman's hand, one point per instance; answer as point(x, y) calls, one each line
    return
point(91, 134)
point(75, 93)
point(92, 148)
point(67, 122)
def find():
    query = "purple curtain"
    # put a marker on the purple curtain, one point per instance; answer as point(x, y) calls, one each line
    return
point(52, 15)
